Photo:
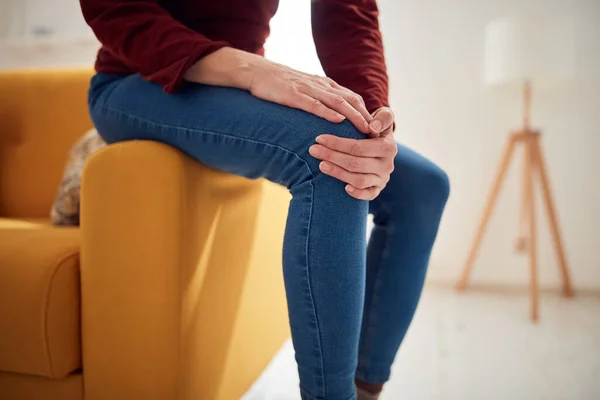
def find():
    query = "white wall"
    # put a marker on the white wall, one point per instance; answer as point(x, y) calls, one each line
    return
point(35, 18)
point(435, 56)
point(44, 33)
point(55, 18)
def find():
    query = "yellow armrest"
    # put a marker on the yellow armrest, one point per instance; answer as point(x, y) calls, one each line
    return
point(182, 291)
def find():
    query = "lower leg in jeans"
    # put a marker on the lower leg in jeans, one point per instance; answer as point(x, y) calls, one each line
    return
point(406, 216)
point(324, 271)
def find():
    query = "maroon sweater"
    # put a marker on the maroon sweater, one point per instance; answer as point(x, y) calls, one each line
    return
point(161, 39)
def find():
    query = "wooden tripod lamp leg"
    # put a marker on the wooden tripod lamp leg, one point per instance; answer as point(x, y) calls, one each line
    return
point(532, 234)
point(509, 149)
point(551, 212)
point(521, 245)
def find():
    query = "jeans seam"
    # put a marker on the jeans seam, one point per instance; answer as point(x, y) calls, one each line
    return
point(312, 301)
point(104, 108)
point(374, 304)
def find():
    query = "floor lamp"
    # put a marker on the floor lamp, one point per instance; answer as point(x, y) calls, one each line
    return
point(523, 52)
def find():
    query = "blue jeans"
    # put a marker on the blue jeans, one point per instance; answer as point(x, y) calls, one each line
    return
point(350, 304)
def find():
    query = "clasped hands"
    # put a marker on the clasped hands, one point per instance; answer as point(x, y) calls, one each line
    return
point(365, 165)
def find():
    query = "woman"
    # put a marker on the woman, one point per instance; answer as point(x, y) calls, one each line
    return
point(189, 73)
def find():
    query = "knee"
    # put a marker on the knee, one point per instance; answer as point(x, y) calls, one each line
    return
point(312, 126)
point(437, 184)
point(424, 185)
point(422, 197)
point(344, 129)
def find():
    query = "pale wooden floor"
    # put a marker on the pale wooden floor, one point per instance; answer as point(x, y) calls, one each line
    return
point(481, 346)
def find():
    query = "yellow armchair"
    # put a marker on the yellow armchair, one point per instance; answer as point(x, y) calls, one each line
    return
point(171, 289)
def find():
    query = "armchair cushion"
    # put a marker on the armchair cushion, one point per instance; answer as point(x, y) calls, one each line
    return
point(42, 114)
point(39, 298)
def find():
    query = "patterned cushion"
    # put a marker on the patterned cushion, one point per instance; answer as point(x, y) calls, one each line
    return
point(65, 210)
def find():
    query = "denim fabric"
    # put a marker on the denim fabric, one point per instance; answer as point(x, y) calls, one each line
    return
point(330, 273)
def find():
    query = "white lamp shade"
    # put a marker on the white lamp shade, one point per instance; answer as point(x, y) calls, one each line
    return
point(538, 49)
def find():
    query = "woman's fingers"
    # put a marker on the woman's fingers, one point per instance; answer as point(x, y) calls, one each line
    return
point(362, 165)
point(384, 147)
point(383, 120)
point(338, 100)
point(314, 106)
point(354, 99)
point(363, 194)
point(360, 186)
point(359, 181)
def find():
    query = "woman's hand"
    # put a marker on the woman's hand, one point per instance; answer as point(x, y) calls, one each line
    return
point(315, 94)
point(365, 165)
point(280, 84)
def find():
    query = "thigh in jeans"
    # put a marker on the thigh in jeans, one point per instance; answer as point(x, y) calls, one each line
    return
point(224, 128)
point(324, 250)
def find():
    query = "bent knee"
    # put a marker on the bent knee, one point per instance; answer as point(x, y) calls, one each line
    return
point(432, 186)
point(420, 180)
point(310, 127)
point(437, 182)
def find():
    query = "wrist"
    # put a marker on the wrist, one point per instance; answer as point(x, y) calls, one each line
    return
point(225, 67)
point(243, 68)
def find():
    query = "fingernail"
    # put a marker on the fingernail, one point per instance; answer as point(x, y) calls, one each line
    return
point(321, 140)
point(313, 151)
point(349, 188)
point(325, 167)
point(376, 125)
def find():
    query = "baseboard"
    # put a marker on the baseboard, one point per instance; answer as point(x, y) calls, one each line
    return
point(510, 289)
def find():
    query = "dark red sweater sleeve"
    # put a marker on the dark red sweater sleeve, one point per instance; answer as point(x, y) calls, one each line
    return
point(146, 38)
point(349, 45)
